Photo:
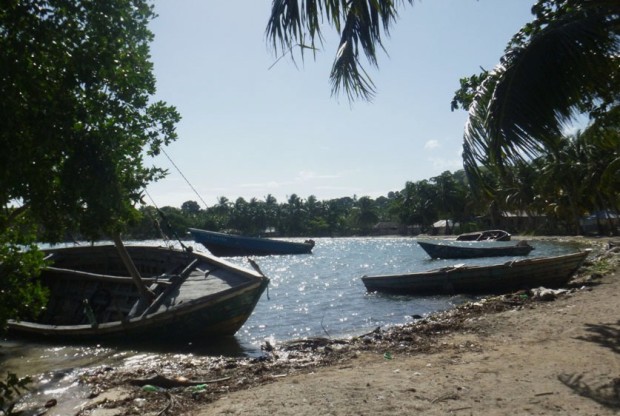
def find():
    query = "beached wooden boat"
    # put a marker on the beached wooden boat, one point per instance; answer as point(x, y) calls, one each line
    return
point(222, 244)
point(550, 272)
point(92, 297)
point(493, 235)
point(449, 250)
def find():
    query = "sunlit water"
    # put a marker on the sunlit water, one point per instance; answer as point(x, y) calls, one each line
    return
point(318, 294)
point(322, 294)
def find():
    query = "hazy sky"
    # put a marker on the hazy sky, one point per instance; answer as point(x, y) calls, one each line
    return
point(249, 131)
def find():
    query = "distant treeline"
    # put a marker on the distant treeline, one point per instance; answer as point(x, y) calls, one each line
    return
point(534, 207)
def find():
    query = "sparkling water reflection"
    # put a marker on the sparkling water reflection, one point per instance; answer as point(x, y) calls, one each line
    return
point(321, 294)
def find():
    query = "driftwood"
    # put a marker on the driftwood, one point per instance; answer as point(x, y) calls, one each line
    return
point(171, 402)
point(167, 383)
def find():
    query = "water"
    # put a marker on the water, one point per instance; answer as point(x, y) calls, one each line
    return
point(319, 294)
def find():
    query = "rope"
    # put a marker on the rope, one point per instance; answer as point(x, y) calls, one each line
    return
point(155, 220)
point(165, 219)
point(181, 173)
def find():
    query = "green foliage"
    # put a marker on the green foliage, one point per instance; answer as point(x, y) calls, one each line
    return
point(21, 294)
point(465, 95)
point(77, 123)
point(10, 390)
point(561, 65)
point(420, 203)
point(560, 187)
point(75, 81)
point(602, 267)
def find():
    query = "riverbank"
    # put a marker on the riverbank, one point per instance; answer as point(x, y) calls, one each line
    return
point(514, 354)
point(538, 357)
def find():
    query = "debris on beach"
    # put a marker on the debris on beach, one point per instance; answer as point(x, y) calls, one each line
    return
point(177, 383)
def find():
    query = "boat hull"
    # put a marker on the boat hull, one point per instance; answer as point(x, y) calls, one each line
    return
point(551, 272)
point(229, 245)
point(214, 299)
point(451, 251)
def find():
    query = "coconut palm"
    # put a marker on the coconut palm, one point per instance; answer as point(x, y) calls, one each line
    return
point(565, 63)
point(603, 137)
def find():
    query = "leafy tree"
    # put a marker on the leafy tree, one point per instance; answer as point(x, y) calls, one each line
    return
point(21, 295)
point(603, 148)
point(418, 203)
point(578, 166)
point(150, 225)
point(190, 208)
point(75, 82)
point(450, 196)
point(174, 222)
point(335, 214)
point(272, 212)
point(367, 215)
point(294, 216)
point(222, 212)
point(240, 216)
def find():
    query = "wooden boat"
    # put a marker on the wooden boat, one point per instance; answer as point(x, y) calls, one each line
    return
point(551, 272)
point(494, 235)
point(92, 297)
point(448, 250)
point(222, 244)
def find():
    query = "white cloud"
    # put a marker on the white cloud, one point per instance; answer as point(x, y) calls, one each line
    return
point(431, 144)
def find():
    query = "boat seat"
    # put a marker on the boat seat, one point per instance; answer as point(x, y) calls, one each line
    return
point(144, 307)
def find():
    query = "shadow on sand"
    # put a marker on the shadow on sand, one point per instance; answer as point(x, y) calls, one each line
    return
point(605, 389)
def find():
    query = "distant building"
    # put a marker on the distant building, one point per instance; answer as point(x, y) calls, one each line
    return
point(601, 222)
point(444, 227)
point(519, 221)
point(389, 228)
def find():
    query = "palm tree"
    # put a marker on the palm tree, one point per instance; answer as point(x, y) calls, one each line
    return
point(565, 170)
point(603, 138)
point(563, 64)
point(366, 215)
point(294, 220)
point(272, 213)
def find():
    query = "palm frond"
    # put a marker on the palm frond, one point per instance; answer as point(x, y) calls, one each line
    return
point(541, 84)
point(361, 24)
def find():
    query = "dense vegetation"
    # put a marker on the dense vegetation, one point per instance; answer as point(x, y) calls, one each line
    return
point(77, 123)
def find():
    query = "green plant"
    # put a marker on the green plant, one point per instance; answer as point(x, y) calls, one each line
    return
point(10, 390)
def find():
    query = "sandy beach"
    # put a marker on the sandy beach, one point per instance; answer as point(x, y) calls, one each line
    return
point(516, 354)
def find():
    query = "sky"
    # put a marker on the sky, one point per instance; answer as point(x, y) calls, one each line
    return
point(253, 125)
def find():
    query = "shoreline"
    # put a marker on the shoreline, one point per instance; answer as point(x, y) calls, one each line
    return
point(392, 371)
